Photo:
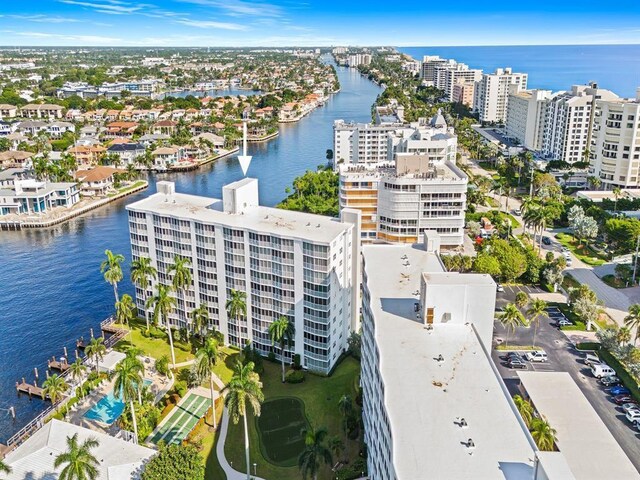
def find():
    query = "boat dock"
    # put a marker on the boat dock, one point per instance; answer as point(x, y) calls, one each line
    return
point(61, 365)
point(24, 387)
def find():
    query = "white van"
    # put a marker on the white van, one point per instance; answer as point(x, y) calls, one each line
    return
point(602, 370)
point(590, 359)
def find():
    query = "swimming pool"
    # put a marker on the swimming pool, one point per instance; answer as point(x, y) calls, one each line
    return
point(109, 408)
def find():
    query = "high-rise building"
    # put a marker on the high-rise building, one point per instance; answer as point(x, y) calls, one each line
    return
point(427, 69)
point(434, 405)
point(359, 59)
point(360, 143)
point(447, 75)
point(285, 263)
point(568, 122)
point(525, 116)
point(492, 93)
point(615, 150)
point(463, 92)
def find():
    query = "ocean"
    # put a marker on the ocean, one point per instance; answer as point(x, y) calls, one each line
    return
point(553, 67)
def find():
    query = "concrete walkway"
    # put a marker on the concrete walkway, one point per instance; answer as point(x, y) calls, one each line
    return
point(228, 470)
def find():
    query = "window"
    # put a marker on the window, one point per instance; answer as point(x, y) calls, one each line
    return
point(430, 314)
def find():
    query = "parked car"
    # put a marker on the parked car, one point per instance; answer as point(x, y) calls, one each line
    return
point(633, 415)
point(516, 211)
point(546, 240)
point(622, 399)
point(630, 406)
point(517, 363)
point(499, 287)
point(536, 356)
point(609, 381)
point(511, 355)
point(590, 359)
point(619, 390)
point(563, 323)
point(565, 249)
point(602, 370)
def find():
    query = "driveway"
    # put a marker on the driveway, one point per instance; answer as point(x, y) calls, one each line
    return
point(563, 357)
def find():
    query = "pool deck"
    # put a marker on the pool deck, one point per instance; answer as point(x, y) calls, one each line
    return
point(159, 386)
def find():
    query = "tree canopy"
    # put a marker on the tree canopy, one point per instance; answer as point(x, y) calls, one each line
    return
point(175, 462)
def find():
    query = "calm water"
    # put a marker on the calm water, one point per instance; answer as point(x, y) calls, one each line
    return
point(614, 67)
point(51, 289)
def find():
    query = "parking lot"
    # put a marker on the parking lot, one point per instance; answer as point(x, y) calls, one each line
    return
point(563, 357)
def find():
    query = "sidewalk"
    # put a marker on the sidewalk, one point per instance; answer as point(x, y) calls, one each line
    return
point(228, 469)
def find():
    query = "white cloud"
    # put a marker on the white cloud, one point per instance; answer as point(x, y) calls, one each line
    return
point(211, 24)
point(45, 18)
point(111, 7)
point(239, 8)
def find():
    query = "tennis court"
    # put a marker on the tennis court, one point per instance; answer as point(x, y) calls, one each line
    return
point(182, 419)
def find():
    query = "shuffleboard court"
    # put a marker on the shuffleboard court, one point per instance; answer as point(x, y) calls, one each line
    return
point(181, 420)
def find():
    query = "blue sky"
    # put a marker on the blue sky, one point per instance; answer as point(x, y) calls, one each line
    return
point(310, 23)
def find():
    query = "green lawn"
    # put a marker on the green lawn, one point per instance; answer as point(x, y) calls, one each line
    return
point(154, 347)
point(281, 424)
point(583, 252)
point(224, 369)
point(320, 396)
point(614, 282)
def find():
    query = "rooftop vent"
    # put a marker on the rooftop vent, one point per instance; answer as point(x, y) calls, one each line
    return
point(439, 358)
point(461, 422)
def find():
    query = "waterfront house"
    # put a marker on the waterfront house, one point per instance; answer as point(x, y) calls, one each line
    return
point(165, 157)
point(127, 152)
point(151, 138)
point(87, 155)
point(216, 141)
point(57, 129)
point(24, 195)
point(36, 456)
point(8, 111)
point(43, 110)
point(16, 159)
point(97, 181)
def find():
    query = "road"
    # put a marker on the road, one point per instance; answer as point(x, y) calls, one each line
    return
point(563, 357)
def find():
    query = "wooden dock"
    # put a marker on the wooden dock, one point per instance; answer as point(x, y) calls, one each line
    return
point(61, 366)
point(24, 387)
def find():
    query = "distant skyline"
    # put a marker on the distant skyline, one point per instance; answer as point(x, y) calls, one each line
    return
point(226, 23)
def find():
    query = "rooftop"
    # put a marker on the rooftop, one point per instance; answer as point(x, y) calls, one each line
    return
point(426, 402)
point(584, 440)
point(270, 220)
point(117, 458)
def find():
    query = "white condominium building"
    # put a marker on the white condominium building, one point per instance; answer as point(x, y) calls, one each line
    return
point(434, 406)
point(427, 69)
point(525, 116)
point(359, 59)
point(568, 122)
point(287, 263)
point(365, 143)
point(615, 151)
point(492, 93)
point(401, 200)
point(450, 74)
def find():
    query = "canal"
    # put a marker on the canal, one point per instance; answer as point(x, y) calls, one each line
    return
point(51, 289)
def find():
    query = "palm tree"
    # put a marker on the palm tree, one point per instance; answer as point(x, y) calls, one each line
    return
point(128, 381)
point(537, 309)
point(200, 319)
point(4, 468)
point(163, 304)
point(77, 370)
point(525, 408)
point(315, 452)
point(96, 350)
point(510, 319)
point(244, 388)
point(81, 464)
point(282, 331)
point(142, 272)
point(125, 311)
point(236, 305)
point(616, 194)
point(345, 405)
point(543, 434)
point(182, 277)
point(521, 300)
point(54, 387)
point(112, 270)
point(336, 446)
point(623, 335)
point(632, 321)
point(206, 359)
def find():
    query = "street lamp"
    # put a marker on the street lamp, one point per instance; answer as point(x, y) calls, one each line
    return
point(255, 465)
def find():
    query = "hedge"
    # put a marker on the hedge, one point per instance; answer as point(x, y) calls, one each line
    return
point(627, 379)
point(294, 376)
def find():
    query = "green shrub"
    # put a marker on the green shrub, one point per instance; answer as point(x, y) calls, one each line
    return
point(353, 471)
point(294, 376)
point(589, 346)
point(180, 388)
point(175, 462)
point(621, 372)
point(271, 357)
point(296, 361)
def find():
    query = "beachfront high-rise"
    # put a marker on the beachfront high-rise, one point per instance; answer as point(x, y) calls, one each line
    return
point(293, 264)
point(525, 116)
point(615, 147)
point(491, 95)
